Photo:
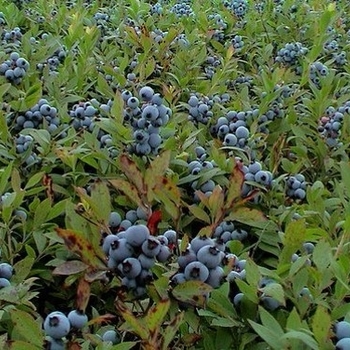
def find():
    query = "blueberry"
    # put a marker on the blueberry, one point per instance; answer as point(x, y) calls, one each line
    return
point(4, 282)
point(146, 93)
point(114, 219)
point(210, 256)
point(54, 344)
point(238, 298)
point(151, 247)
point(137, 234)
point(107, 242)
point(196, 271)
point(146, 261)
point(6, 271)
point(111, 336)
point(56, 325)
point(178, 278)
point(130, 267)
point(270, 303)
point(216, 277)
point(342, 330)
point(77, 319)
point(199, 242)
point(164, 253)
point(120, 249)
point(186, 257)
point(343, 344)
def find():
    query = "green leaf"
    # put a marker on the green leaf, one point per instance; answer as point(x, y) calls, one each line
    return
point(22, 345)
point(199, 213)
point(77, 243)
point(25, 327)
point(250, 292)
point(322, 255)
point(136, 325)
point(70, 267)
point(192, 292)
point(100, 196)
point(303, 337)
point(270, 322)
point(23, 269)
point(269, 335)
point(156, 314)
point(171, 330)
point(321, 324)
point(125, 345)
point(249, 216)
point(274, 290)
point(293, 239)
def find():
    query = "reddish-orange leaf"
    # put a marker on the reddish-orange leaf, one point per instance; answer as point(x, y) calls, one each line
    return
point(153, 221)
point(83, 294)
point(108, 318)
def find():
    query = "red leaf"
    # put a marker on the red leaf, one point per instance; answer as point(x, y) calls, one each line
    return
point(153, 221)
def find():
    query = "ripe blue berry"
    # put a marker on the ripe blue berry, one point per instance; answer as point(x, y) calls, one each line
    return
point(137, 234)
point(56, 325)
point(114, 219)
point(6, 271)
point(146, 93)
point(120, 249)
point(216, 276)
point(130, 267)
point(343, 344)
point(151, 247)
point(210, 256)
point(196, 271)
point(4, 282)
point(111, 336)
point(77, 319)
point(342, 330)
point(199, 242)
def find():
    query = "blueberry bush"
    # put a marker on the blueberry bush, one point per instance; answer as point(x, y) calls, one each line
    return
point(174, 174)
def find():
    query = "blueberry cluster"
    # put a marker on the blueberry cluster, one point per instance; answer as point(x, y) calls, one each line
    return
point(15, 68)
point(255, 173)
point(232, 129)
point(219, 22)
point(41, 115)
point(196, 167)
point(146, 115)
point(227, 231)
point(54, 61)
point(331, 46)
point(6, 272)
point(296, 186)
point(339, 58)
point(23, 143)
point(83, 114)
point(237, 42)
point(182, 9)
point(241, 81)
point(202, 261)
point(102, 21)
point(238, 7)
point(210, 65)
point(199, 109)
point(132, 253)
point(342, 334)
point(307, 248)
point(331, 123)
point(291, 54)
point(181, 40)
point(12, 37)
point(156, 9)
point(57, 326)
point(318, 70)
